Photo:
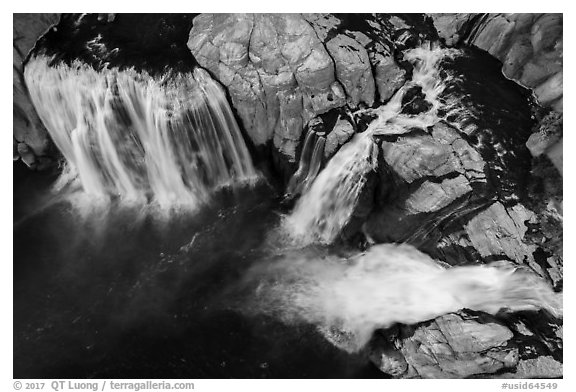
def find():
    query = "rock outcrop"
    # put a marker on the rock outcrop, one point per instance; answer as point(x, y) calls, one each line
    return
point(284, 70)
point(548, 139)
point(456, 345)
point(30, 138)
point(279, 74)
point(540, 367)
point(530, 47)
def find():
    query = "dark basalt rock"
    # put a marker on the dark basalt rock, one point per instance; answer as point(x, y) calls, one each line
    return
point(414, 101)
point(155, 43)
point(530, 47)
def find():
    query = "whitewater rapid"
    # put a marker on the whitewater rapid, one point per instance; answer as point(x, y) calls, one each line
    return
point(388, 284)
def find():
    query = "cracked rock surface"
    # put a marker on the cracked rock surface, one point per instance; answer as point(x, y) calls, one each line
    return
point(456, 345)
point(283, 70)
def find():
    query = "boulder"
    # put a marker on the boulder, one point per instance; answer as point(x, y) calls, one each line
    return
point(549, 133)
point(455, 345)
point(450, 27)
point(389, 77)
point(342, 132)
point(353, 69)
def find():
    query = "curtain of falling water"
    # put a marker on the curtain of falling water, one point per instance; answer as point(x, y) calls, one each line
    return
point(309, 165)
point(327, 205)
point(126, 134)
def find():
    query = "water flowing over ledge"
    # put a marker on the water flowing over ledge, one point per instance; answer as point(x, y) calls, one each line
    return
point(170, 141)
point(328, 203)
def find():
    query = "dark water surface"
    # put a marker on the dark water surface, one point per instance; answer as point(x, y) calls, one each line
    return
point(130, 296)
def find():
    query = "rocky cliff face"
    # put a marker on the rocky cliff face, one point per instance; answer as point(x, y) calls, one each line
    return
point(284, 71)
point(530, 47)
point(30, 139)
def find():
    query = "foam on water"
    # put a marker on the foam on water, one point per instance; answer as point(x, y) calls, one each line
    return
point(389, 284)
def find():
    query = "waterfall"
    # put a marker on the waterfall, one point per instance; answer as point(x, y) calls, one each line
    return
point(169, 140)
point(389, 284)
point(309, 164)
point(326, 206)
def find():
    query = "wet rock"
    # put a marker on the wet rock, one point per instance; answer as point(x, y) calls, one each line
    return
point(15, 155)
point(450, 27)
point(540, 367)
point(455, 345)
point(415, 157)
point(499, 231)
point(27, 127)
point(389, 360)
point(389, 76)
point(433, 196)
point(530, 46)
point(556, 154)
point(550, 90)
point(545, 195)
point(26, 154)
point(548, 139)
point(549, 133)
point(414, 101)
point(353, 69)
point(342, 132)
point(435, 155)
point(426, 178)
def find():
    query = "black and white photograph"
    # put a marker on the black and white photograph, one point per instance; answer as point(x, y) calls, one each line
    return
point(287, 196)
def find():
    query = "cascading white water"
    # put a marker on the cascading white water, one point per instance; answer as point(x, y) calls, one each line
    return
point(169, 140)
point(327, 205)
point(389, 284)
point(309, 165)
point(348, 299)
